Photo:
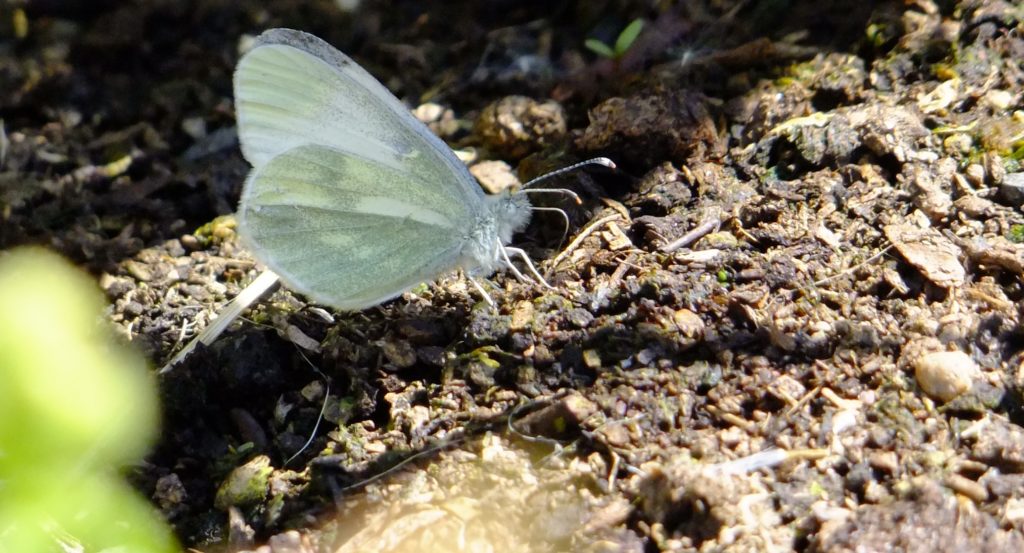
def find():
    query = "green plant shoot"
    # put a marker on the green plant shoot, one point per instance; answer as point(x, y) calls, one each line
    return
point(624, 41)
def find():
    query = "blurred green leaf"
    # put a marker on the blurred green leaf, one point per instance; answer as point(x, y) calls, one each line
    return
point(74, 406)
point(599, 48)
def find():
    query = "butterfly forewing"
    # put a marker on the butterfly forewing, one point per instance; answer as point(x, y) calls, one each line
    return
point(293, 89)
point(309, 215)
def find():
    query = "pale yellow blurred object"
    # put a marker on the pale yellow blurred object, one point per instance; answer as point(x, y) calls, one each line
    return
point(19, 22)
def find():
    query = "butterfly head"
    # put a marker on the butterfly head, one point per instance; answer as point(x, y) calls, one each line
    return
point(511, 213)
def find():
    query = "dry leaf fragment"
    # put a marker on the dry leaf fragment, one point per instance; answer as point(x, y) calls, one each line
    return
point(934, 255)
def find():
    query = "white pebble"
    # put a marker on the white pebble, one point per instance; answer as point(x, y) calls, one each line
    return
point(945, 374)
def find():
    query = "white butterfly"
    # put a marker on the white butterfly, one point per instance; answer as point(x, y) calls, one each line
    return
point(351, 200)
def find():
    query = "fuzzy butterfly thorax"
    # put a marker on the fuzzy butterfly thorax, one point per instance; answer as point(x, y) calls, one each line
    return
point(504, 215)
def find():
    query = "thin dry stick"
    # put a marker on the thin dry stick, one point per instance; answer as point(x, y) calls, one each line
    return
point(855, 267)
point(613, 471)
point(602, 290)
point(449, 443)
point(580, 238)
point(803, 401)
point(692, 236)
point(841, 273)
point(323, 408)
point(766, 459)
point(406, 461)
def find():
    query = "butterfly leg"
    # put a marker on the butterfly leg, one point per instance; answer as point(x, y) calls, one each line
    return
point(486, 296)
point(529, 265)
point(508, 262)
point(565, 219)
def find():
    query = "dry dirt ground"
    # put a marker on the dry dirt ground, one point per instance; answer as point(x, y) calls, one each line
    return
point(791, 320)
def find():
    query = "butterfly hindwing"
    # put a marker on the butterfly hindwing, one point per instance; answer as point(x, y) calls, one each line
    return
point(347, 231)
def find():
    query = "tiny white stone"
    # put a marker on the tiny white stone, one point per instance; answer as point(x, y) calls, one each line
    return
point(945, 375)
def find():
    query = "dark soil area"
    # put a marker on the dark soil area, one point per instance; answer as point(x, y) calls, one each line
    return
point(789, 321)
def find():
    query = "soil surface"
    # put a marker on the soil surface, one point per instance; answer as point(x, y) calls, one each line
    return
point(789, 321)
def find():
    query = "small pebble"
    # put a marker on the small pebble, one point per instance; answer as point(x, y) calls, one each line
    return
point(313, 391)
point(998, 99)
point(115, 287)
point(170, 492)
point(975, 174)
point(246, 485)
point(994, 168)
point(138, 270)
point(957, 143)
point(522, 315)
point(398, 352)
point(428, 112)
point(967, 487)
point(134, 309)
point(174, 248)
point(431, 355)
point(1012, 188)
point(495, 176)
point(579, 317)
point(191, 243)
point(296, 336)
point(690, 325)
point(194, 127)
point(945, 375)
point(288, 542)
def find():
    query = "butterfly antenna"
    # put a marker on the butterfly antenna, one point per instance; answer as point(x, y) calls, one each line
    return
point(603, 161)
point(562, 191)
